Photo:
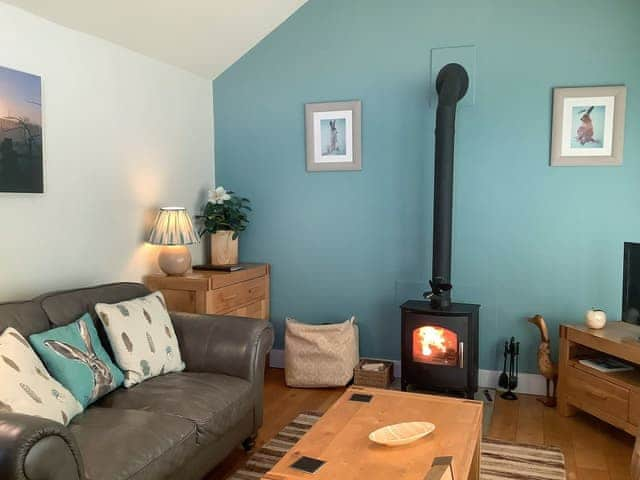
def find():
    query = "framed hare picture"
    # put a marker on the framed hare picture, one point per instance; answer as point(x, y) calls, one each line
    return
point(588, 126)
point(333, 136)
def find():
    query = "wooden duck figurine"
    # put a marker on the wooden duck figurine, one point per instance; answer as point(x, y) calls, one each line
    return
point(547, 368)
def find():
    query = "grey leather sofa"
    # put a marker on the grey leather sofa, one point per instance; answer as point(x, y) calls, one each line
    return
point(179, 425)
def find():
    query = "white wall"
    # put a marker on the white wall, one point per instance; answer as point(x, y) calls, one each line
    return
point(123, 135)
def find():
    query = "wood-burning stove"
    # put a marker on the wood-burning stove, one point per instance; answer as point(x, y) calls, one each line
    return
point(440, 347)
point(440, 338)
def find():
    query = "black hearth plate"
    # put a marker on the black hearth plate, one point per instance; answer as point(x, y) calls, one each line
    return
point(361, 397)
point(307, 464)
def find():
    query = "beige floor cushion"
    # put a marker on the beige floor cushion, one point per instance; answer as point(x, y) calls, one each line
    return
point(25, 385)
point(320, 355)
point(142, 338)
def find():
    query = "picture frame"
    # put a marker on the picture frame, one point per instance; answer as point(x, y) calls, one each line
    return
point(22, 156)
point(333, 136)
point(588, 126)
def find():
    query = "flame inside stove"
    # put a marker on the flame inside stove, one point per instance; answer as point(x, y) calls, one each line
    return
point(432, 338)
point(435, 345)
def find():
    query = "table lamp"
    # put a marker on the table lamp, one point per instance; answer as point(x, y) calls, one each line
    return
point(173, 230)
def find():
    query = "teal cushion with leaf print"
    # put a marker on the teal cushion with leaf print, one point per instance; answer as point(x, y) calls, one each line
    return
point(75, 357)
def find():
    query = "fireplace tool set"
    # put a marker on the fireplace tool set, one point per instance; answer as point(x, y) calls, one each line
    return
point(509, 381)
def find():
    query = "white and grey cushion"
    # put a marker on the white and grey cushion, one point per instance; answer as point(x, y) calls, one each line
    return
point(25, 385)
point(142, 337)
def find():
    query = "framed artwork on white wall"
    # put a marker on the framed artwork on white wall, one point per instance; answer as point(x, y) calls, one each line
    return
point(588, 126)
point(333, 136)
point(21, 151)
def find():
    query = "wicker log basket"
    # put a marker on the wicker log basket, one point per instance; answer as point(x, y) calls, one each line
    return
point(373, 378)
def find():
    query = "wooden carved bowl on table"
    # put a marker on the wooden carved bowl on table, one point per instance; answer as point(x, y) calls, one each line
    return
point(401, 433)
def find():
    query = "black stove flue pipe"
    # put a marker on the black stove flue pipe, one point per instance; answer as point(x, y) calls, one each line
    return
point(451, 84)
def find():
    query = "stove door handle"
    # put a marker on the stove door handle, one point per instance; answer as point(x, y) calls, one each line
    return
point(461, 354)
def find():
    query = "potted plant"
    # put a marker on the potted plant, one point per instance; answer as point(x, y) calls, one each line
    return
point(224, 217)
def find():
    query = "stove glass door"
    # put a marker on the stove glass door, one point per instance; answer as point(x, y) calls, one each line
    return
point(435, 345)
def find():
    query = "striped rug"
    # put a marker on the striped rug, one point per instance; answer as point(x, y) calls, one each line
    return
point(499, 461)
point(502, 460)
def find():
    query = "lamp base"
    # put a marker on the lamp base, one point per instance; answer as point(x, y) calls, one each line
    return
point(174, 259)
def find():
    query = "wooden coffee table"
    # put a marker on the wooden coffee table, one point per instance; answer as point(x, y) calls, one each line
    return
point(340, 438)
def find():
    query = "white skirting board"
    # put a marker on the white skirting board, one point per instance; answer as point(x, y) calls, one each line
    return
point(530, 383)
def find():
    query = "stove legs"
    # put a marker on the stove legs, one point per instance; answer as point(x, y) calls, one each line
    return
point(468, 394)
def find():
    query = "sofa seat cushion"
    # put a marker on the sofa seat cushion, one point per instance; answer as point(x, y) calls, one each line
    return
point(123, 444)
point(214, 402)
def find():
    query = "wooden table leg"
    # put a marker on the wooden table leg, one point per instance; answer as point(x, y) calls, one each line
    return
point(474, 473)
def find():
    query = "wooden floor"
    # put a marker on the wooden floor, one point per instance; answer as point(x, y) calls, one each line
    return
point(593, 450)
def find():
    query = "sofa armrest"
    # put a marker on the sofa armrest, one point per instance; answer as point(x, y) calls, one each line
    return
point(35, 448)
point(231, 345)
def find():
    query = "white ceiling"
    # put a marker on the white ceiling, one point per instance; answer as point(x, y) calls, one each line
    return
point(202, 36)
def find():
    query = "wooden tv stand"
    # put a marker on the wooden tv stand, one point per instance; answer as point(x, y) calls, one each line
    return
point(612, 397)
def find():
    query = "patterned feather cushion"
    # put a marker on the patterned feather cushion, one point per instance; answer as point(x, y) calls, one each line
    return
point(142, 338)
point(76, 358)
point(25, 385)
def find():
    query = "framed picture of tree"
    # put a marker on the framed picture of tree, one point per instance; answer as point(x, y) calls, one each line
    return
point(21, 156)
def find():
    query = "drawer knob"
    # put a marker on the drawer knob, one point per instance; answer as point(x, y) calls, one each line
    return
point(598, 395)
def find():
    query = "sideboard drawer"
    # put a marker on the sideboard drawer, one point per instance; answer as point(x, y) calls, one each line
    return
point(634, 407)
point(253, 310)
point(241, 293)
point(230, 298)
point(597, 396)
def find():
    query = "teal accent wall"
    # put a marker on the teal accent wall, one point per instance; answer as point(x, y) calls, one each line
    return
point(528, 238)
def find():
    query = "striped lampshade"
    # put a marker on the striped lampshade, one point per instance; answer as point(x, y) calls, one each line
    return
point(173, 227)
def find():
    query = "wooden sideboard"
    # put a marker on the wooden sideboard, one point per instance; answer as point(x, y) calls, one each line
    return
point(612, 397)
point(243, 293)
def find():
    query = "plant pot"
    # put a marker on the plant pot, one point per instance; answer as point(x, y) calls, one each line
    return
point(224, 249)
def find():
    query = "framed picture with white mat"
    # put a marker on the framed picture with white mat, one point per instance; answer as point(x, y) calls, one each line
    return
point(588, 126)
point(333, 136)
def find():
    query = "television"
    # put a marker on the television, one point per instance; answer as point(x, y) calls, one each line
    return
point(631, 283)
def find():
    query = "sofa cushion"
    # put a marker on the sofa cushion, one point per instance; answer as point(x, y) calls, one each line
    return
point(65, 307)
point(142, 338)
point(25, 317)
point(214, 402)
point(76, 358)
point(124, 444)
point(25, 385)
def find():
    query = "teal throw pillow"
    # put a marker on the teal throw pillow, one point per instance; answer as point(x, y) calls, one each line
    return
point(75, 357)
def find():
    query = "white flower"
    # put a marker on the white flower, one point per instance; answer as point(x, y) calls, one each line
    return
point(219, 195)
